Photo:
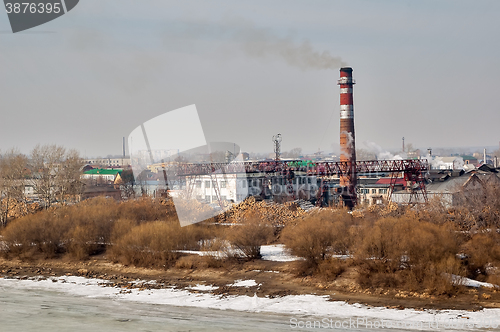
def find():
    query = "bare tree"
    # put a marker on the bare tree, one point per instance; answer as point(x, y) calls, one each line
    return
point(56, 173)
point(478, 203)
point(12, 182)
point(68, 180)
point(293, 153)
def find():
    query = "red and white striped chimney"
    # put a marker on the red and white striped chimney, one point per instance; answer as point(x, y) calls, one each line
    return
point(348, 180)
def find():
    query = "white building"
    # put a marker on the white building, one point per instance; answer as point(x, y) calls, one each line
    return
point(108, 162)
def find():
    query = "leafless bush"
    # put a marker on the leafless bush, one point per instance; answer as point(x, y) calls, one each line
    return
point(249, 236)
point(36, 235)
point(483, 255)
point(147, 209)
point(408, 253)
point(155, 243)
point(331, 268)
point(319, 236)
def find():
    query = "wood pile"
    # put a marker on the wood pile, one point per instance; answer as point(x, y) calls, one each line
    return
point(19, 209)
point(276, 214)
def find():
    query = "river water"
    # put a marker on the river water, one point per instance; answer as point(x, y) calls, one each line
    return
point(78, 304)
point(42, 310)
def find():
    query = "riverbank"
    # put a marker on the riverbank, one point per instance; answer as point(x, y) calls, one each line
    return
point(260, 278)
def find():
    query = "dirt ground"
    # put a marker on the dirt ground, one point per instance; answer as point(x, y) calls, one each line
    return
point(274, 279)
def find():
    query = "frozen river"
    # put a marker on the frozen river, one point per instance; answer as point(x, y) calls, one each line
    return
point(79, 304)
point(41, 310)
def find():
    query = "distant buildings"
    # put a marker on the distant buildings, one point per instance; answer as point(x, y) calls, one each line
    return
point(115, 162)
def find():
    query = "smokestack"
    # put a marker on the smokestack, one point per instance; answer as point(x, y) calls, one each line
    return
point(347, 138)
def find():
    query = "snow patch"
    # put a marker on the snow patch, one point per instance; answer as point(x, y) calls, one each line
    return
point(200, 287)
point(244, 283)
point(276, 253)
point(471, 282)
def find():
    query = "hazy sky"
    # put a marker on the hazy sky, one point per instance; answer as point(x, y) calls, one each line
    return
point(427, 70)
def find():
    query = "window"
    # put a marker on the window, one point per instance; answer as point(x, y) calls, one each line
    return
point(223, 198)
point(199, 197)
point(214, 198)
point(223, 184)
point(198, 184)
point(382, 191)
point(374, 191)
point(207, 184)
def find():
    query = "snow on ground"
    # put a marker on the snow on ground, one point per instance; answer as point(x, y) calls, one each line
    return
point(200, 287)
point(244, 283)
point(313, 306)
point(276, 253)
point(471, 282)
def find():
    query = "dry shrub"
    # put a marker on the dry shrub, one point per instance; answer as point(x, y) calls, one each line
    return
point(147, 209)
point(250, 235)
point(330, 269)
point(483, 251)
point(41, 234)
point(189, 262)
point(91, 225)
point(83, 242)
point(408, 253)
point(155, 243)
point(218, 250)
point(318, 236)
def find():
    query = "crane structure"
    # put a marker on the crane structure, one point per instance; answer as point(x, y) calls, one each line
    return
point(413, 171)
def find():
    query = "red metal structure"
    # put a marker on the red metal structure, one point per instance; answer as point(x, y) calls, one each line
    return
point(413, 171)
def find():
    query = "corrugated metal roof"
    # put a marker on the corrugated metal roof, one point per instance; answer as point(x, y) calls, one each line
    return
point(451, 185)
point(388, 181)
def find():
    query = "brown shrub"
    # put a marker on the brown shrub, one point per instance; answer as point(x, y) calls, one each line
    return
point(40, 234)
point(189, 262)
point(405, 252)
point(91, 223)
point(250, 235)
point(482, 250)
point(147, 209)
point(317, 237)
point(330, 269)
point(154, 243)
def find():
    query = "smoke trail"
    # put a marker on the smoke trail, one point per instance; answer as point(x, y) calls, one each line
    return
point(259, 43)
point(381, 153)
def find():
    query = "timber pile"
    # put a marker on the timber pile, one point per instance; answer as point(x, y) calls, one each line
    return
point(276, 214)
point(20, 209)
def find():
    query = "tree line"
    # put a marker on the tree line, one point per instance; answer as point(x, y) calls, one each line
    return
point(53, 172)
